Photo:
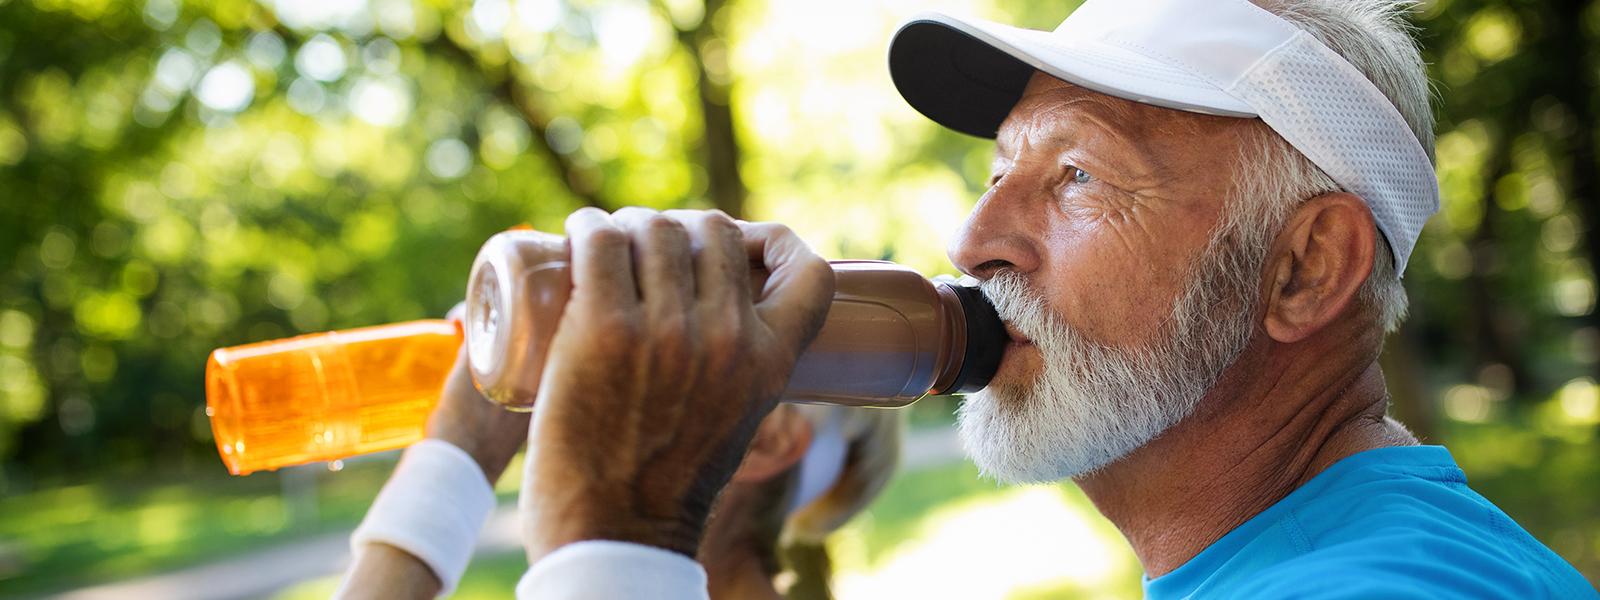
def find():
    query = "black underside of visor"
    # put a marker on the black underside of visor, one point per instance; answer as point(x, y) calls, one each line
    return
point(955, 79)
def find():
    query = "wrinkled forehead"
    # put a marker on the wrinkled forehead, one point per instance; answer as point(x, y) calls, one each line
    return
point(1149, 140)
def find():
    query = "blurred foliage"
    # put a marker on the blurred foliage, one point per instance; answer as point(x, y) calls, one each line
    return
point(177, 177)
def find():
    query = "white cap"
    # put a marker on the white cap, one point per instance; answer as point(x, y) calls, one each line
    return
point(1217, 57)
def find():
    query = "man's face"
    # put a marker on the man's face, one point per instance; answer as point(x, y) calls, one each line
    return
point(1096, 241)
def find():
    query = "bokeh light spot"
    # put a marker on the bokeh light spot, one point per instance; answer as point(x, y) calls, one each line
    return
point(384, 101)
point(265, 50)
point(321, 58)
point(448, 158)
point(228, 87)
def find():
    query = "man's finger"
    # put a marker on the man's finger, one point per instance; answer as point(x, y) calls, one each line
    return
point(602, 263)
point(795, 299)
point(722, 271)
point(661, 255)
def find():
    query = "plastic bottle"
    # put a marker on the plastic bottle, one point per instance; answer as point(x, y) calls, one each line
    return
point(891, 337)
point(326, 396)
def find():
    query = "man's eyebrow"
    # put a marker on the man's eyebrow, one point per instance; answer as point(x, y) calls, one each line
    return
point(1002, 145)
point(1094, 133)
point(1052, 135)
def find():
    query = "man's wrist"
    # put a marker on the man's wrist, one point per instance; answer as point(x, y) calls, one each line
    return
point(490, 460)
point(545, 532)
point(491, 464)
point(432, 508)
point(562, 505)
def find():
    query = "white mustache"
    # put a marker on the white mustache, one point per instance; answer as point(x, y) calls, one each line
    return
point(1019, 306)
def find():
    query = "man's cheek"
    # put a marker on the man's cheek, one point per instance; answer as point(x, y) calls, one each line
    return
point(1102, 290)
point(1123, 307)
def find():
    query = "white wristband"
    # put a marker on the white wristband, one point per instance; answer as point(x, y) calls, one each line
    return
point(432, 508)
point(609, 570)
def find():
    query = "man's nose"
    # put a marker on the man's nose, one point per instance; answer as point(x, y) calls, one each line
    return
point(997, 235)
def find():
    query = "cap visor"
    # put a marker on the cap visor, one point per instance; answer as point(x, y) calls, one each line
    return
point(967, 74)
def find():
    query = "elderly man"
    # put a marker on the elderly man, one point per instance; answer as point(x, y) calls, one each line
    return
point(1195, 231)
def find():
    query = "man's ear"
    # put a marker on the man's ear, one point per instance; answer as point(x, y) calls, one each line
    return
point(780, 442)
point(1318, 264)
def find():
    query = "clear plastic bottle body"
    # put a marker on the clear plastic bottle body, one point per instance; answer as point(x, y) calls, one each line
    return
point(327, 396)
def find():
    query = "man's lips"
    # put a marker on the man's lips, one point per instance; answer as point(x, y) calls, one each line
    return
point(1017, 339)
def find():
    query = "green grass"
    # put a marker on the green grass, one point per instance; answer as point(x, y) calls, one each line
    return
point(74, 536)
point(487, 578)
point(110, 530)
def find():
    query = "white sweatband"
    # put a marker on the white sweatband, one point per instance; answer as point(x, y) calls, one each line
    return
point(611, 570)
point(432, 508)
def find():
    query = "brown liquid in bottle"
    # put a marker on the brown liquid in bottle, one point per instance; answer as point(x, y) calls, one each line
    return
point(891, 336)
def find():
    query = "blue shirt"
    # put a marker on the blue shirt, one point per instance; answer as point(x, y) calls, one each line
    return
point(1386, 523)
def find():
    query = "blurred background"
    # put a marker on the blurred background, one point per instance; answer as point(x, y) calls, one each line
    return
point(176, 177)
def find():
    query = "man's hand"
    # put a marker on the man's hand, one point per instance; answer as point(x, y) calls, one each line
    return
point(663, 364)
point(491, 435)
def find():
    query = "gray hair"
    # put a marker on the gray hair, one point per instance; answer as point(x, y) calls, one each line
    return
point(1374, 36)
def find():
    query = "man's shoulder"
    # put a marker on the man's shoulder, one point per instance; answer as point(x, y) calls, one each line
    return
point(1406, 508)
point(1420, 569)
point(1413, 537)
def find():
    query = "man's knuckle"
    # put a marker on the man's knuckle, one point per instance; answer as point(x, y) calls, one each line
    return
point(585, 212)
point(777, 230)
point(719, 222)
point(820, 270)
point(660, 225)
point(608, 238)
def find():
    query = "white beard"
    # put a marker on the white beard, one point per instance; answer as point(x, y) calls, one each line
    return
point(1092, 403)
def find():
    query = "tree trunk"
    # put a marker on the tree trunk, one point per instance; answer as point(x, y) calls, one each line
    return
point(1495, 342)
point(719, 143)
point(506, 89)
point(1572, 88)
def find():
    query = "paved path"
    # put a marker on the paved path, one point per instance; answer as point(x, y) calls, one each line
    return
point(260, 574)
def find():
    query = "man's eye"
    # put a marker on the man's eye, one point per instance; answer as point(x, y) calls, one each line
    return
point(995, 179)
point(1079, 176)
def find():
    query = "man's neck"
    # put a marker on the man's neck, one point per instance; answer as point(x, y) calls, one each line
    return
point(1250, 443)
